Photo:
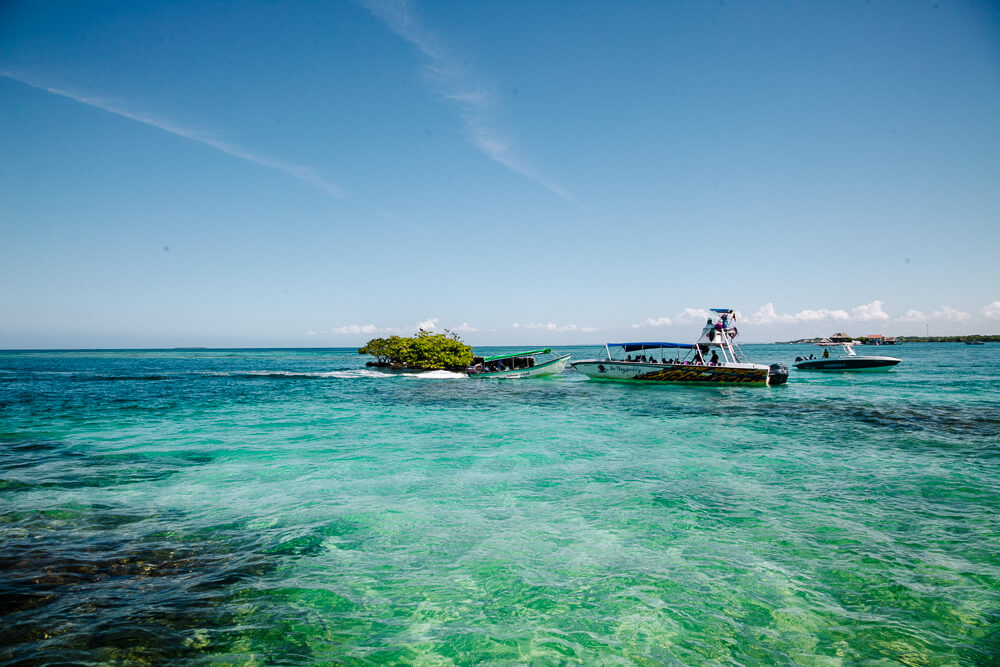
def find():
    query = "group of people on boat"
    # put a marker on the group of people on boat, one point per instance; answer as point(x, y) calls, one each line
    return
point(479, 365)
point(826, 355)
point(720, 328)
point(697, 359)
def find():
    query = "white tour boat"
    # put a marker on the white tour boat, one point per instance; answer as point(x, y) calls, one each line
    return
point(714, 359)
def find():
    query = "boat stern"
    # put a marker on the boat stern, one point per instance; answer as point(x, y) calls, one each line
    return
point(777, 374)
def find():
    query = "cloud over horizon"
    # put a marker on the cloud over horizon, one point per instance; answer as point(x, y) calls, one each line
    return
point(767, 314)
point(550, 326)
point(944, 313)
point(430, 324)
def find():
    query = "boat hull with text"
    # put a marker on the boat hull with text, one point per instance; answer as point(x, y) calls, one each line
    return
point(684, 373)
point(685, 363)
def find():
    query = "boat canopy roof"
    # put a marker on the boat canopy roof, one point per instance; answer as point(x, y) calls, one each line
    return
point(631, 347)
point(518, 354)
point(721, 311)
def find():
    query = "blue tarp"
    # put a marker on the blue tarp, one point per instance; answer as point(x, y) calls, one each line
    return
point(632, 347)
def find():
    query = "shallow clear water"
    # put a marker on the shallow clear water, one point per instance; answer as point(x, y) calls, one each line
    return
point(292, 506)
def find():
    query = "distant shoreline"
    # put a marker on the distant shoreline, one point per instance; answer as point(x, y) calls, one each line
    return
point(908, 339)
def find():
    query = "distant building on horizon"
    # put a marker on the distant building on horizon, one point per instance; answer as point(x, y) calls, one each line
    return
point(879, 339)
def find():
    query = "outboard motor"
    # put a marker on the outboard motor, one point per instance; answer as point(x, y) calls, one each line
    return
point(777, 375)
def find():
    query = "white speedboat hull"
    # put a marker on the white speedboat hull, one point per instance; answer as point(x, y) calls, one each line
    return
point(870, 364)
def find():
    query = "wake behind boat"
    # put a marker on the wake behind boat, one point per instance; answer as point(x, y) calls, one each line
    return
point(697, 363)
point(518, 365)
point(846, 360)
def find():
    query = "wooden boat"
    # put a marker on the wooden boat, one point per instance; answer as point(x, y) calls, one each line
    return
point(518, 365)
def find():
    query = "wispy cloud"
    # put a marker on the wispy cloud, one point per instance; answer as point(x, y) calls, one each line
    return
point(992, 311)
point(475, 99)
point(299, 172)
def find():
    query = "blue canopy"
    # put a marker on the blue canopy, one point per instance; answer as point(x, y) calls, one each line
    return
point(721, 311)
point(632, 347)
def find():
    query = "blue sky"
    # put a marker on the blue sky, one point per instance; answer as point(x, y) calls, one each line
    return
point(316, 174)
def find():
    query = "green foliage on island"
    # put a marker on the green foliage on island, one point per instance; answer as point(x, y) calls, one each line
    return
point(424, 351)
point(948, 339)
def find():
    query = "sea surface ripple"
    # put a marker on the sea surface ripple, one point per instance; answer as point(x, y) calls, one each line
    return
point(295, 507)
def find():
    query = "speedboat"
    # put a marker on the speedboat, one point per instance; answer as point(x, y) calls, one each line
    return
point(518, 365)
point(846, 360)
point(714, 359)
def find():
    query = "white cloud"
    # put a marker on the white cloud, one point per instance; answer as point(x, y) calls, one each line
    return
point(550, 326)
point(453, 81)
point(691, 315)
point(943, 313)
point(821, 314)
point(430, 324)
point(354, 329)
point(912, 316)
point(767, 314)
point(305, 174)
point(650, 322)
point(992, 311)
point(950, 314)
point(870, 312)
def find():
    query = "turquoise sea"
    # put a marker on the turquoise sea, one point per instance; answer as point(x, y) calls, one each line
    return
point(293, 507)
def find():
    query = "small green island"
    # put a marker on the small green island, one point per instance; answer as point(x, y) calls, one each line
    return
point(424, 351)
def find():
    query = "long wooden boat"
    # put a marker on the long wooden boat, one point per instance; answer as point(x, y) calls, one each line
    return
point(518, 365)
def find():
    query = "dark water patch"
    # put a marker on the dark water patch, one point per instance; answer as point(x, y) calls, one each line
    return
point(965, 419)
point(61, 465)
point(102, 595)
point(28, 453)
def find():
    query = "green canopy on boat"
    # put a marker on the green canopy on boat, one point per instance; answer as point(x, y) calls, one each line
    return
point(518, 354)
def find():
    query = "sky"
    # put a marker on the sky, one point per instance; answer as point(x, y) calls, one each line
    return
point(261, 174)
